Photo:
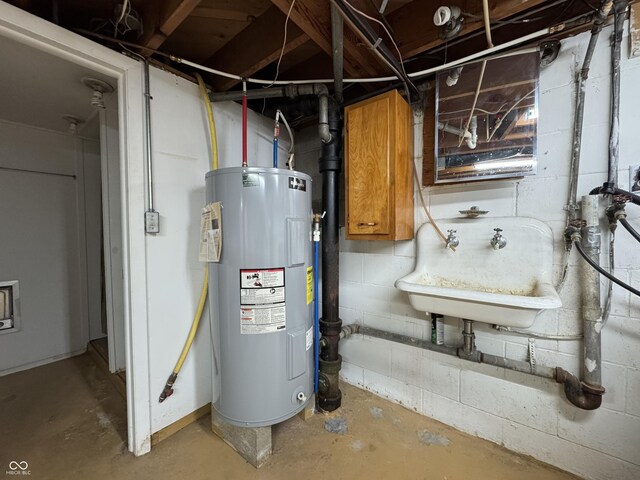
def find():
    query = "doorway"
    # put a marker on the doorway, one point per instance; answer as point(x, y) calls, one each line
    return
point(61, 256)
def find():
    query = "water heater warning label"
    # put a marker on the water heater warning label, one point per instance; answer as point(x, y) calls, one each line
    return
point(273, 277)
point(262, 301)
point(261, 296)
point(262, 319)
point(309, 285)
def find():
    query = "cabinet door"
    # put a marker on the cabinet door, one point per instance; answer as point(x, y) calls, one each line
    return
point(369, 175)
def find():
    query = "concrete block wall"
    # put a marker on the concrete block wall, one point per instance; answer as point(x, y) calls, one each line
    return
point(524, 413)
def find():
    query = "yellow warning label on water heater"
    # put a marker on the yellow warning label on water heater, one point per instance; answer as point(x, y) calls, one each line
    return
point(309, 285)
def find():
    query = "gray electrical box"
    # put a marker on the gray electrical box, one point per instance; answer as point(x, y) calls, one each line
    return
point(260, 295)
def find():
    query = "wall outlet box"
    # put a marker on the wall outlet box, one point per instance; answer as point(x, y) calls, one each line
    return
point(152, 222)
point(6, 324)
point(634, 178)
point(9, 307)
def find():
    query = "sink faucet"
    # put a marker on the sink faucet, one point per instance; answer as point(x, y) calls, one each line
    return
point(452, 240)
point(498, 241)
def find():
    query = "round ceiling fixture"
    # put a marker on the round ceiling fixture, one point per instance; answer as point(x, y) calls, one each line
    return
point(99, 88)
point(74, 121)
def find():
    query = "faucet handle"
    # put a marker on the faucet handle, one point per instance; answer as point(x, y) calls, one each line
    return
point(451, 231)
point(497, 230)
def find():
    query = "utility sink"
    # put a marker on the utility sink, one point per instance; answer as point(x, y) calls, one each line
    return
point(507, 286)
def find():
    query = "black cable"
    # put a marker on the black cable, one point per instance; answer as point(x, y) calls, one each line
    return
point(634, 233)
point(364, 29)
point(603, 271)
point(595, 9)
point(610, 189)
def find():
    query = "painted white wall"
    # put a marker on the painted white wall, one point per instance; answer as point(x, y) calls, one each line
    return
point(127, 73)
point(93, 240)
point(181, 159)
point(524, 413)
point(112, 236)
point(45, 241)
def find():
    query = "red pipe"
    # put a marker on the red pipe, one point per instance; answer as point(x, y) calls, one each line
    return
point(244, 124)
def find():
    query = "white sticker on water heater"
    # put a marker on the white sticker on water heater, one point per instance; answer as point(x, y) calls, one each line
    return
point(262, 319)
point(262, 301)
point(309, 338)
point(267, 277)
point(261, 296)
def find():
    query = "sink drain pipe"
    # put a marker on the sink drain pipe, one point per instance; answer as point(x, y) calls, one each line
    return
point(591, 311)
point(467, 352)
point(582, 394)
point(587, 394)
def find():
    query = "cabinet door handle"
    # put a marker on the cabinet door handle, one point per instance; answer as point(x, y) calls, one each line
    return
point(367, 224)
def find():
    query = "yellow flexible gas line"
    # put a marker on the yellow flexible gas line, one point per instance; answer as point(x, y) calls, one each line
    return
point(212, 123)
point(168, 388)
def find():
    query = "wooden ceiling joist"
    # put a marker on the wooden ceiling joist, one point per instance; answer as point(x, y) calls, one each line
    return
point(220, 14)
point(314, 17)
point(255, 47)
point(163, 19)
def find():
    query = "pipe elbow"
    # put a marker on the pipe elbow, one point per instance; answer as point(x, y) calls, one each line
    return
point(324, 133)
point(472, 138)
point(580, 394)
point(320, 89)
point(472, 142)
point(323, 118)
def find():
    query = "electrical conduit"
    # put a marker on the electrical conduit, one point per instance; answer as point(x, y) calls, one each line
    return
point(602, 14)
point(168, 388)
point(619, 8)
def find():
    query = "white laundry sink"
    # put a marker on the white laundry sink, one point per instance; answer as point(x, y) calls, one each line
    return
point(508, 287)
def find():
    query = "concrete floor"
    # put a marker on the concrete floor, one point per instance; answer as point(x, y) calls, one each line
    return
point(67, 421)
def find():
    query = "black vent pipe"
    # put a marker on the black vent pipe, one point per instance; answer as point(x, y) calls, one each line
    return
point(329, 395)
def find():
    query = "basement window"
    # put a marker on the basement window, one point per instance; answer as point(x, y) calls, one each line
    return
point(9, 307)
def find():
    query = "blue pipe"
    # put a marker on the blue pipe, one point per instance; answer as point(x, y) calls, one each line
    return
point(275, 152)
point(316, 316)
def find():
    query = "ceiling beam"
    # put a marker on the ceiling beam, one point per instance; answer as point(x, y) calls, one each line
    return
point(221, 14)
point(416, 33)
point(314, 17)
point(163, 18)
point(316, 66)
point(255, 47)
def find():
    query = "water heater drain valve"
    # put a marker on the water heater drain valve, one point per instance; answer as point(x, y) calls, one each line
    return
point(301, 397)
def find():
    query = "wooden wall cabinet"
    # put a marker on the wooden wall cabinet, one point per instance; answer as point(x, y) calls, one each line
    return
point(379, 169)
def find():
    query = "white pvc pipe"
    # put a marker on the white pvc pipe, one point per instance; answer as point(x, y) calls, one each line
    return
point(421, 73)
point(487, 22)
point(470, 136)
